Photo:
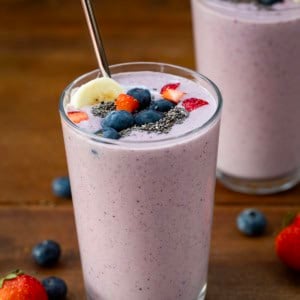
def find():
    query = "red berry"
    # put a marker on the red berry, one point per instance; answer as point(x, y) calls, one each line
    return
point(126, 102)
point(172, 95)
point(287, 245)
point(171, 86)
point(77, 117)
point(193, 103)
point(19, 286)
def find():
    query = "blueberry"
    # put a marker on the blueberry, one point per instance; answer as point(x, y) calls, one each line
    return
point(162, 105)
point(46, 253)
point(111, 133)
point(142, 95)
point(268, 2)
point(55, 287)
point(61, 187)
point(147, 116)
point(251, 222)
point(118, 120)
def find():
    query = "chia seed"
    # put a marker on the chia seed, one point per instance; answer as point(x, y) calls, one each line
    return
point(174, 116)
point(103, 109)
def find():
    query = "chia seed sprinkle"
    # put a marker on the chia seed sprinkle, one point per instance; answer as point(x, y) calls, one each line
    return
point(103, 108)
point(174, 116)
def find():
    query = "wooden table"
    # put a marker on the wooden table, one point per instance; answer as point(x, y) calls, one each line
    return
point(44, 45)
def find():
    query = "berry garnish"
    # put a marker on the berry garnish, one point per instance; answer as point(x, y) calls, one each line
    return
point(251, 222)
point(171, 86)
point(143, 96)
point(162, 105)
point(269, 2)
point(193, 103)
point(287, 244)
point(55, 287)
point(61, 187)
point(19, 286)
point(118, 120)
point(46, 253)
point(147, 116)
point(173, 95)
point(111, 133)
point(126, 102)
point(77, 116)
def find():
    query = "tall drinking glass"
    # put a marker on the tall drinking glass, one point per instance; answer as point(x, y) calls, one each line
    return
point(143, 209)
point(253, 53)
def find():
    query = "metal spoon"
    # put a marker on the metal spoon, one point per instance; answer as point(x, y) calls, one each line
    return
point(96, 37)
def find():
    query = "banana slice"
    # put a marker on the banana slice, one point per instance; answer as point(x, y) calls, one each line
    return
point(96, 90)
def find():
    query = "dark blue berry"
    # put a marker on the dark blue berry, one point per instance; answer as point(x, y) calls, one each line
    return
point(147, 116)
point(118, 120)
point(142, 95)
point(251, 222)
point(61, 187)
point(162, 105)
point(111, 133)
point(46, 253)
point(269, 2)
point(55, 287)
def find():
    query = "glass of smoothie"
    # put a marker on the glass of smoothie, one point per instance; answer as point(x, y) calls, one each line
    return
point(252, 51)
point(143, 192)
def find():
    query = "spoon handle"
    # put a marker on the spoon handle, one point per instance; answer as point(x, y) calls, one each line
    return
point(96, 37)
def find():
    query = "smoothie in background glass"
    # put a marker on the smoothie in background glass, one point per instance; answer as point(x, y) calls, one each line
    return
point(144, 203)
point(253, 53)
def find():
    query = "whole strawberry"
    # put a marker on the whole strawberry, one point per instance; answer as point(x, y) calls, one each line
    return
point(287, 244)
point(19, 286)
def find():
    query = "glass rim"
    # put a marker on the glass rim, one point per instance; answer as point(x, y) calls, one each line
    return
point(267, 11)
point(108, 141)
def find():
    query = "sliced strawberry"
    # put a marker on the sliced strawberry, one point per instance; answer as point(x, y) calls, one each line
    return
point(77, 116)
point(126, 102)
point(193, 103)
point(171, 86)
point(173, 95)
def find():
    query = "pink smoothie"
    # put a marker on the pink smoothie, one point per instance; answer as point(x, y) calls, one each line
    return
point(143, 206)
point(253, 54)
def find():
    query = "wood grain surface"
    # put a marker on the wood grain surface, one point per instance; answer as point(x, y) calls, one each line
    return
point(45, 45)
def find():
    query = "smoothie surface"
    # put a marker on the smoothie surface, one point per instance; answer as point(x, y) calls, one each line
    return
point(191, 119)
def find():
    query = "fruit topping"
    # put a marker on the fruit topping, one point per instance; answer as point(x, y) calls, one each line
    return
point(46, 253)
point(287, 244)
point(142, 95)
point(193, 103)
point(111, 133)
point(171, 86)
point(95, 91)
point(126, 102)
point(77, 116)
point(19, 286)
point(55, 287)
point(269, 2)
point(118, 120)
point(173, 95)
point(162, 105)
point(147, 116)
point(251, 222)
point(61, 187)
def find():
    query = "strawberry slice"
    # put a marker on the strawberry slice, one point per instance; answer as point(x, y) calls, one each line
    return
point(193, 103)
point(77, 116)
point(126, 102)
point(173, 95)
point(171, 86)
